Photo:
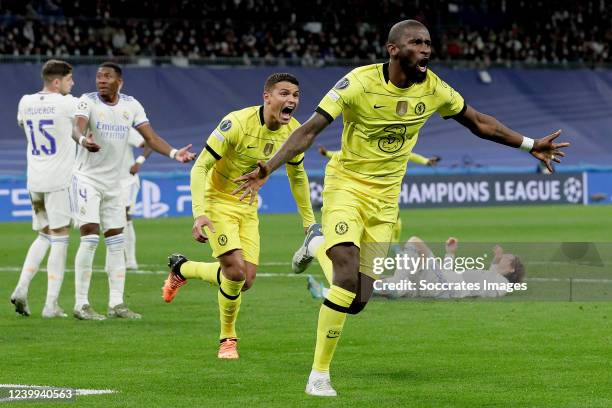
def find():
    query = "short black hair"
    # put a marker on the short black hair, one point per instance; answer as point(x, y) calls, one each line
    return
point(396, 32)
point(115, 67)
point(279, 77)
point(55, 69)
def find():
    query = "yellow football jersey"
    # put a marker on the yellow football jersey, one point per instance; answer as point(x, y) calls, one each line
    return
point(381, 125)
point(240, 140)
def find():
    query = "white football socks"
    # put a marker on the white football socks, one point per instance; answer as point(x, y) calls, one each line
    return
point(83, 265)
point(34, 257)
point(56, 266)
point(115, 267)
point(130, 244)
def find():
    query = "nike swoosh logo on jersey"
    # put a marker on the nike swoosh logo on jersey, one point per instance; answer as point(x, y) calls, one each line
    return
point(251, 147)
point(378, 106)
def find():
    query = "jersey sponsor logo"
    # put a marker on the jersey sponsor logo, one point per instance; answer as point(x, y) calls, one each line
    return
point(268, 148)
point(225, 125)
point(222, 240)
point(401, 108)
point(394, 138)
point(342, 84)
point(341, 228)
point(419, 108)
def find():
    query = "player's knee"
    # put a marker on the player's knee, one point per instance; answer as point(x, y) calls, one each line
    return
point(233, 266)
point(414, 239)
point(61, 230)
point(357, 306)
point(248, 283)
point(90, 229)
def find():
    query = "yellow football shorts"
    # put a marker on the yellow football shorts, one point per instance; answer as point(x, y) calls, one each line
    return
point(236, 227)
point(367, 222)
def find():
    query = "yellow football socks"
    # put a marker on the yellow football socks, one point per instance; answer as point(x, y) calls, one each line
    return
point(331, 320)
point(229, 305)
point(206, 271)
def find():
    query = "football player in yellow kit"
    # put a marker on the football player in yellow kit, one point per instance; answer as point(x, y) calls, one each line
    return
point(231, 226)
point(383, 107)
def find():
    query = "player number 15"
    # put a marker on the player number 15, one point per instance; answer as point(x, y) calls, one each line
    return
point(48, 150)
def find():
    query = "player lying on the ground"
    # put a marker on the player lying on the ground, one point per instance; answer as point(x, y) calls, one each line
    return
point(383, 106)
point(414, 157)
point(440, 281)
point(96, 184)
point(47, 118)
point(231, 226)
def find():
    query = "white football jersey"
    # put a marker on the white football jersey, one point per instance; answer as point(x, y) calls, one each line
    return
point(110, 126)
point(135, 139)
point(47, 120)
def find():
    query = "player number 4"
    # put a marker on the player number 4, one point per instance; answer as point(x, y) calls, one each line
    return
point(48, 150)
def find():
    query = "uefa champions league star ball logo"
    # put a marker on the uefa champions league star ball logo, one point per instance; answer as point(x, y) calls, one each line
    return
point(572, 188)
point(225, 125)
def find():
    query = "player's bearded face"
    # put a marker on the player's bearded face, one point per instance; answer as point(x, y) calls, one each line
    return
point(413, 56)
point(283, 100)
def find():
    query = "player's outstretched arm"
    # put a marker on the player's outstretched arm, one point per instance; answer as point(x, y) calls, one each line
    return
point(78, 134)
point(299, 141)
point(488, 127)
point(157, 143)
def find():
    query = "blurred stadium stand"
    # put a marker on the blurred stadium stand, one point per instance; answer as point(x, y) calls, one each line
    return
point(185, 104)
point(308, 33)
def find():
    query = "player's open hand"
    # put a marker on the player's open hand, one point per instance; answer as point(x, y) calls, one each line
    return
point(183, 155)
point(252, 182)
point(545, 150)
point(89, 144)
point(135, 168)
point(198, 228)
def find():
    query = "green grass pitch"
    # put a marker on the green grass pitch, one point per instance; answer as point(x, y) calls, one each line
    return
point(464, 353)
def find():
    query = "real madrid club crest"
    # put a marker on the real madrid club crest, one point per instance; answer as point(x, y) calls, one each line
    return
point(268, 148)
point(126, 115)
point(401, 108)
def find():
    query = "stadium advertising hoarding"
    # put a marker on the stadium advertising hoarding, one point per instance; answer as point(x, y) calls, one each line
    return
point(164, 196)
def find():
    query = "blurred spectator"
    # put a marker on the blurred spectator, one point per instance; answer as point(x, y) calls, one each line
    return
point(311, 33)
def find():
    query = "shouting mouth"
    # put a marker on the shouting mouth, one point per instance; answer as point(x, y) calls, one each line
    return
point(422, 65)
point(286, 113)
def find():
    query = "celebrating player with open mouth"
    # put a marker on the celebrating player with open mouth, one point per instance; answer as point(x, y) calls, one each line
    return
point(234, 148)
point(383, 106)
